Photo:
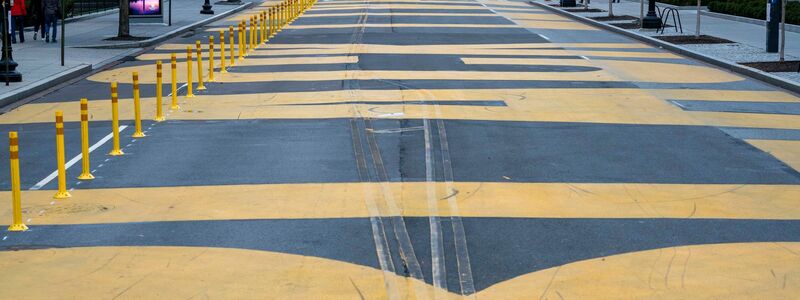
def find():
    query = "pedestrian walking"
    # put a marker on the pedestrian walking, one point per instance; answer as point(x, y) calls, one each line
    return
point(38, 21)
point(50, 19)
point(18, 20)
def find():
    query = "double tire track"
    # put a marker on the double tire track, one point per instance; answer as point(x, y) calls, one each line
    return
point(362, 131)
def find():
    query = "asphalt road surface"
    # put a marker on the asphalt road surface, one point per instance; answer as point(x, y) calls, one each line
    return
point(415, 149)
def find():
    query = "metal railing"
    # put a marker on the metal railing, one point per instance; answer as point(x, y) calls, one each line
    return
point(85, 7)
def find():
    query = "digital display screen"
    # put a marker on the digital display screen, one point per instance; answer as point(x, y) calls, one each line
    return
point(145, 7)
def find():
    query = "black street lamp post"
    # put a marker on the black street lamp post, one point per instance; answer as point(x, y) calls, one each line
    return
point(207, 8)
point(651, 20)
point(8, 67)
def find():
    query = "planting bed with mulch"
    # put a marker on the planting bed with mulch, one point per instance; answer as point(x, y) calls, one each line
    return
point(582, 10)
point(614, 18)
point(691, 39)
point(127, 38)
point(775, 66)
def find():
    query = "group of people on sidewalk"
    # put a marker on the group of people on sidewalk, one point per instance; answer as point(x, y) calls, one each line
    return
point(45, 19)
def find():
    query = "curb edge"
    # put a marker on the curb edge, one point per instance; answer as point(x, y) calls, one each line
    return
point(725, 64)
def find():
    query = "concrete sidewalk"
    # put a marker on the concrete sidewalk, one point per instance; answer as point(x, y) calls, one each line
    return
point(752, 35)
point(40, 62)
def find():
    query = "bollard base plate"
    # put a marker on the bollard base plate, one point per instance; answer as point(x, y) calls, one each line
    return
point(175, 107)
point(116, 153)
point(62, 195)
point(160, 119)
point(138, 135)
point(17, 227)
point(86, 176)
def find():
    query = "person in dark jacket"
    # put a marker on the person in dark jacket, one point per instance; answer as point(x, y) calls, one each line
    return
point(50, 19)
point(18, 20)
point(38, 11)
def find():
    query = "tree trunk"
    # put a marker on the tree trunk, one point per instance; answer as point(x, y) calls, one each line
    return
point(124, 20)
point(610, 8)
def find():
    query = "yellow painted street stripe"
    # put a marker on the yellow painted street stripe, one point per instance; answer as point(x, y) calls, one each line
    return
point(475, 199)
point(526, 61)
point(716, 271)
point(551, 24)
point(189, 272)
point(628, 106)
point(786, 151)
point(401, 25)
point(270, 61)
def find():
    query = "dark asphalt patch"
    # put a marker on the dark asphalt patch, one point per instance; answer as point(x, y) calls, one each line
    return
point(242, 88)
point(763, 133)
point(191, 153)
point(780, 108)
point(37, 150)
point(421, 20)
point(586, 152)
point(499, 248)
point(414, 62)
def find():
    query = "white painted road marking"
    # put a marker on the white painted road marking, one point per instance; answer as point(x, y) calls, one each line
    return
point(74, 160)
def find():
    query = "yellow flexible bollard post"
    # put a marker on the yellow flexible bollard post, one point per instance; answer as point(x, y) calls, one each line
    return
point(240, 41)
point(251, 35)
point(258, 29)
point(189, 92)
point(271, 22)
point(245, 42)
point(230, 42)
point(62, 170)
point(137, 108)
point(211, 58)
point(159, 93)
point(115, 150)
point(264, 26)
point(222, 58)
point(174, 70)
point(280, 16)
point(200, 85)
point(16, 201)
point(86, 174)
point(244, 39)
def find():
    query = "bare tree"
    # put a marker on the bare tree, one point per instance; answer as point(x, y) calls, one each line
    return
point(124, 20)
